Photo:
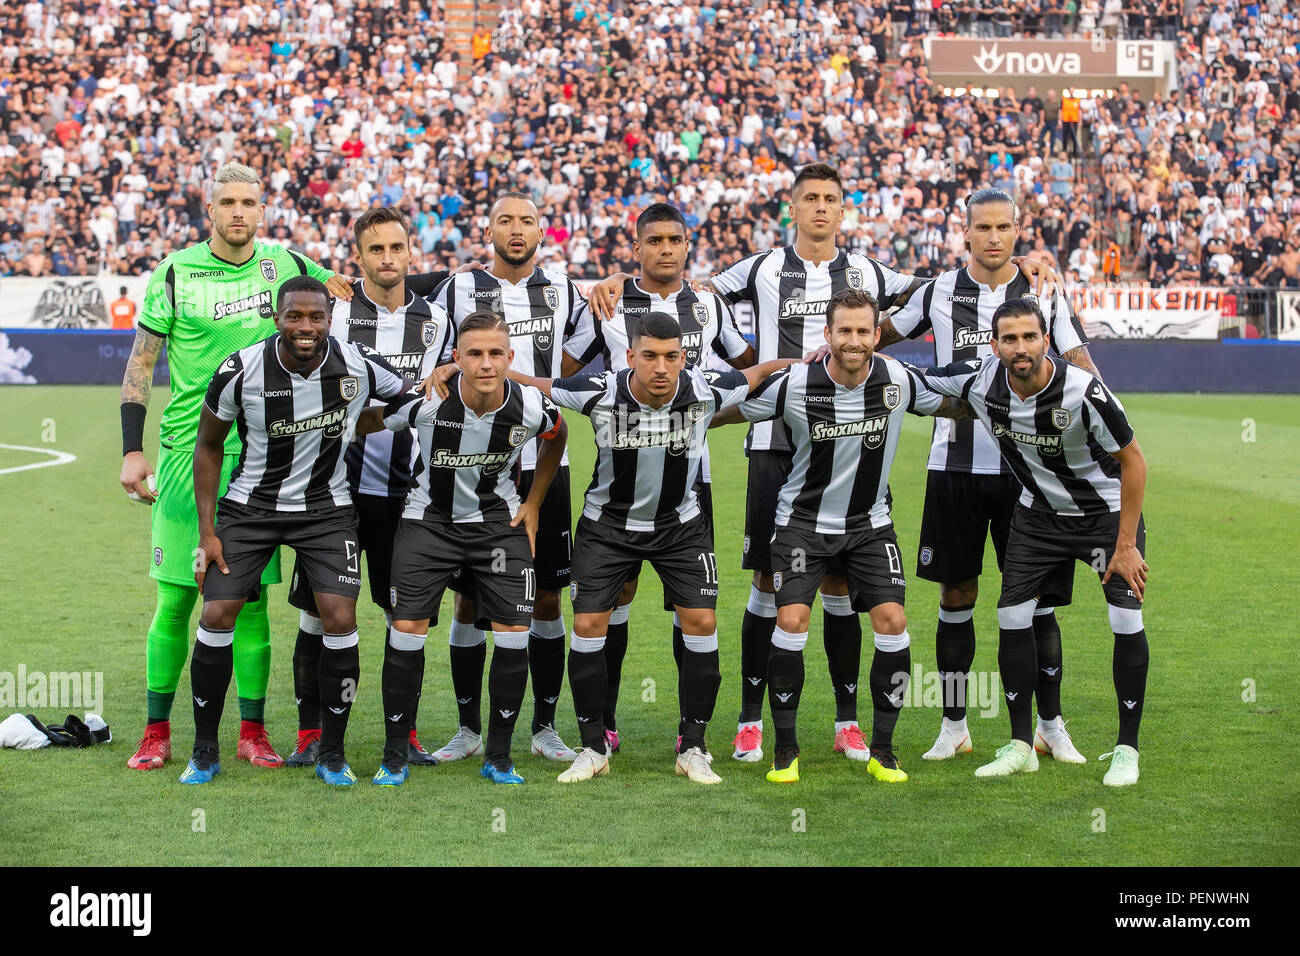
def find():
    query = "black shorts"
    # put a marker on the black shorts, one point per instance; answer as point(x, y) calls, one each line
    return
point(1043, 547)
point(870, 559)
point(493, 556)
point(704, 493)
point(606, 558)
point(768, 471)
point(376, 527)
point(325, 542)
point(961, 511)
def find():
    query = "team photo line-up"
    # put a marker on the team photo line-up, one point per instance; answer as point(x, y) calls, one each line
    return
point(462, 481)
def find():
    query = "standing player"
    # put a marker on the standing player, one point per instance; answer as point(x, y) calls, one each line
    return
point(540, 309)
point(387, 317)
point(296, 398)
point(204, 302)
point(970, 492)
point(464, 513)
point(662, 245)
point(1066, 437)
point(843, 416)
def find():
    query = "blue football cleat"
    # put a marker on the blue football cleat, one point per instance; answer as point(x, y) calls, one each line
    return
point(203, 766)
point(498, 775)
point(389, 778)
point(335, 771)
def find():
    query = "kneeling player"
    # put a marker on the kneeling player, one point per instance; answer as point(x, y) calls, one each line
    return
point(296, 396)
point(1066, 437)
point(464, 513)
point(844, 415)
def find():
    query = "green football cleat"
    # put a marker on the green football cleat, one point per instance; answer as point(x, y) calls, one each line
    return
point(1015, 757)
point(1123, 770)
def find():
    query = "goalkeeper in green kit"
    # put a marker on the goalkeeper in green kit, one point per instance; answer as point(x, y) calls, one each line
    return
point(205, 302)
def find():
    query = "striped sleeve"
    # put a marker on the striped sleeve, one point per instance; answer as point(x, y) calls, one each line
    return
point(225, 391)
point(1106, 419)
point(158, 310)
point(549, 424)
point(921, 400)
point(586, 339)
point(728, 388)
point(951, 380)
point(728, 343)
point(735, 284)
point(409, 410)
point(768, 401)
point(388, 382)
point(890, 284)
point(913, 318)
point(580, 392)
point(309, 267)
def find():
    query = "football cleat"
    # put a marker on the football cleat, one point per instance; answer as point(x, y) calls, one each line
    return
point(416, 754)
point(464, 744)
point(334, 770)
point(502, 771)
point(1015, 757)
point(203, 765)
point(547, 743)
point(1123, 770)
point(304, 755)
point(154, 749)
point(390, 778)
point(1052, 738)
point(611, 741)
point(748, 743)
point(785, 766)
point(850, 743)
point(589, 763)
point(953, 739)
point(255, 746)
point(883, 765)
point(694, 766)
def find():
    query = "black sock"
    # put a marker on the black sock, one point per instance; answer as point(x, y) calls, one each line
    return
point(615, 650)
point(784, 685)
point(1018, 662)
point(467, 683)
point(587, 685)
point(842, 638)
point(700, 680)
point(1047, 635)
point(954, 652)
point(400, 686)
point(546, 662)
point(210, 669)
point(885, 680)
point(679, 650)
point(507, 681)
point(340, 670)
point(419, 692)
point(755, 647)
point(306, 685)
point(1129, 668)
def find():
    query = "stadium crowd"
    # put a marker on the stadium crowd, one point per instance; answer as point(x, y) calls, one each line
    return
point(114, 114)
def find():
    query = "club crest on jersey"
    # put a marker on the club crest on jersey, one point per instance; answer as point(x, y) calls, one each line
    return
point(392, 597)
point(552, 297)
point(517, 435)
point(268, 269)
point(696, 411)
point(701, 314)
point(573, 590)
point(1061, 418)
point(428, 332)
point(776, 580)
point(854, 278)
point(927, 555)
point(893, 396)
point(157, 557)
point(349, 387)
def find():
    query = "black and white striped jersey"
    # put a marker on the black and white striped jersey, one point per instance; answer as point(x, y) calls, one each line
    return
point(542, 311)
point(647, 459)
point(466, 468)
point(704, 317)
point(960, 311)
point(789, 297)
point(844, 441)
point(1057, 442)
point(414, 339)
point(293, 429)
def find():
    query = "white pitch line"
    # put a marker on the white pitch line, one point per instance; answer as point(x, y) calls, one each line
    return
point(56, 458)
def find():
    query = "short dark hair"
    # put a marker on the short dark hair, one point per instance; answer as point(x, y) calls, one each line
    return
point(377, 217)
point(659, 212)
point(989, 195)
point(481, 320)
point(851, 299)
point(817, 171)
point(657, 326)
point(300, 284)
point(511, 194)
point(1018, 309)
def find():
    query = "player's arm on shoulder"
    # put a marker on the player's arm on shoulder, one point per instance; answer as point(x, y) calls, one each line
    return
point(897, 287)
point(952, 380)
point(765, 403)
point(543, 385)
point(924, 400)
point(756, 375)
point(1044, 278)
point(407, 410)
point(735, 283)
point(604, 296)
point(1068, 336)
point(579, 392)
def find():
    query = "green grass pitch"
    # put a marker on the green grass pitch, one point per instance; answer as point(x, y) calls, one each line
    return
point(1218, 741)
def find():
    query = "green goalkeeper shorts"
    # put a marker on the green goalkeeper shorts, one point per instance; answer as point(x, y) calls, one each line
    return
point(176, 519)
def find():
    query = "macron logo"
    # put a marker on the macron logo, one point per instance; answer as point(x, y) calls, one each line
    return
point(1011, 696)
point(75, 909)
point(395, 718)
point(200, 702)
point(1130, 704)
point(784, 697)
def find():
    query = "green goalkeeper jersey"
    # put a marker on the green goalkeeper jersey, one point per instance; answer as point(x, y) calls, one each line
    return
point(208, 308)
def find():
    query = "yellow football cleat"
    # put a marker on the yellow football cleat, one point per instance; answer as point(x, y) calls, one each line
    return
point(785, 769)
point(883, 765)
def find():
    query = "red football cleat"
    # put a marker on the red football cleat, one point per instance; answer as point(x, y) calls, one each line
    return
point(255, 746)
point(155, 747)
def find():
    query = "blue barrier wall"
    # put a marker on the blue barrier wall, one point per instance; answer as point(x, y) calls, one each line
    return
point(1241, 365)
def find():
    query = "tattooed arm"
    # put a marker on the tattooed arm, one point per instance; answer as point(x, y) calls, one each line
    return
point(1081, 357)
point(136, 386)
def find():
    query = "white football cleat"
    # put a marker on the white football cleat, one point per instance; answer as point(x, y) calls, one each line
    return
point(464, 744)
point(1123, 770)
point(589, 763)
point(547, 743)
point(694, 766)
point(1015, 757)
point(1053, 739)
point(953, 739)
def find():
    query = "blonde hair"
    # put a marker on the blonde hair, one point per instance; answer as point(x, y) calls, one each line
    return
point(233, 172)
